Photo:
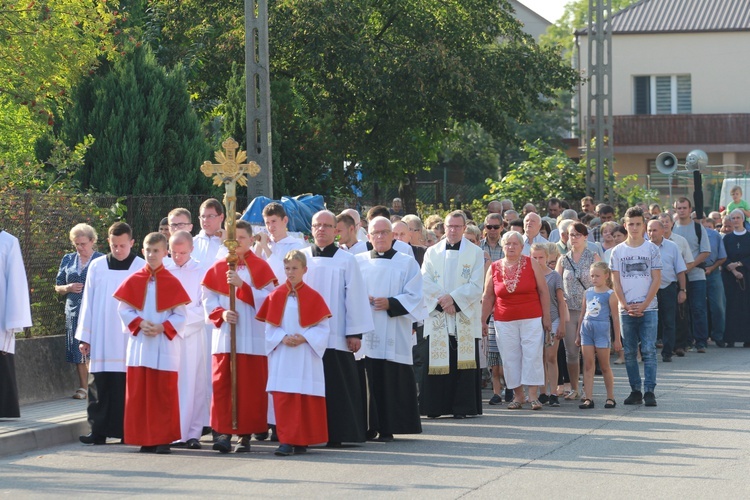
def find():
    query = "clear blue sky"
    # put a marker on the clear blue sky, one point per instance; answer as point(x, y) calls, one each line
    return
point(551, 10)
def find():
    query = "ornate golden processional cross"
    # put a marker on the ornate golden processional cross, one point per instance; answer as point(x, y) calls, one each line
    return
point(230, 171)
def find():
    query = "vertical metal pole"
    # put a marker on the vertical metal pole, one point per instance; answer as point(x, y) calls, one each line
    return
point(258, 96)
point(599, 140)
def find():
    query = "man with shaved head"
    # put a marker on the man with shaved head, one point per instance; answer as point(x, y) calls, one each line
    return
point(334, 274)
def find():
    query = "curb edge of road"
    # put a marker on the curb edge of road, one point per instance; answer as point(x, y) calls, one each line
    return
point(54, 434)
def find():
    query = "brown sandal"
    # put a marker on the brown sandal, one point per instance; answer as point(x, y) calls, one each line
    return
point(515, 405)
point(536, 405)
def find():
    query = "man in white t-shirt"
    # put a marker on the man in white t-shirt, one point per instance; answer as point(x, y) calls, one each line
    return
point(636, 274)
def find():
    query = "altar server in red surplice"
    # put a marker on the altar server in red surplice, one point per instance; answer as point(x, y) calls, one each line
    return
point(152, 309)
point(297, 332)
point(253, 280)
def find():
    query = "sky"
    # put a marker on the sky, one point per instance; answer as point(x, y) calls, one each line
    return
point(551, 10)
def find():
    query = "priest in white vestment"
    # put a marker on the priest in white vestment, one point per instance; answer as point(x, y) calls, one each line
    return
point(453, 279)
point(15, 315)
point(101, 334)
point(394, 288)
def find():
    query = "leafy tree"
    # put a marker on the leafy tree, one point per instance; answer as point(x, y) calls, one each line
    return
point(19, 128)
point(205, 37)
point(471, 149)
point(47, 46)
point(148, 138)
point(394, 75)
point(548, 172)
point(377, 84)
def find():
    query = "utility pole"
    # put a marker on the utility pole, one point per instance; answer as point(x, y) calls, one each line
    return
point(258, 97)
point(599, 139)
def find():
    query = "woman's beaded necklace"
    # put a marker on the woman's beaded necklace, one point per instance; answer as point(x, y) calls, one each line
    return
point(512, 274)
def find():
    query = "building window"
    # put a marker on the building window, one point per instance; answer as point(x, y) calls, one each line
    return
point(662, 95)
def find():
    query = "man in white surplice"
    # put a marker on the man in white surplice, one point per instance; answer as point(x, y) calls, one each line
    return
point(15, 315)
point(452, 273)
point(335, 275)
point(394, 288)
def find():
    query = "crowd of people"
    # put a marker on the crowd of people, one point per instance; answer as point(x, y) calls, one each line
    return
point(382, 320)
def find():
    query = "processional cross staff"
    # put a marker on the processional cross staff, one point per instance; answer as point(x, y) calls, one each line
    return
point(230, 171)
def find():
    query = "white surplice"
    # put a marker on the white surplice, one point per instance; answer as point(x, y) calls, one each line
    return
point(206, 248)
point(251, 338)
point(339, 280)
point(99, 323)
point(15, 309)
point(307, 357)
point(399, 278)
point(192, 384)
point(398, 246)
point(159, 352)
point(279, 249)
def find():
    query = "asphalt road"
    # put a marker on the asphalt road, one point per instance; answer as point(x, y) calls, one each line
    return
point(695, 444)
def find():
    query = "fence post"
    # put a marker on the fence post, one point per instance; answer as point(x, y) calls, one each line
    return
point(27, 208)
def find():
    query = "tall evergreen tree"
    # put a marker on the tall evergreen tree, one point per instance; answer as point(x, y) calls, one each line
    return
point(148, 139)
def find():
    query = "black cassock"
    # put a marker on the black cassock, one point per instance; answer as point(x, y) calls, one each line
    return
point(457, 393)
point(737, 293)
point(346, 423)
point(8, 389)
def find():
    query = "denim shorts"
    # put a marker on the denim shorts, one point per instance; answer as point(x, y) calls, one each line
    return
point(595, 333)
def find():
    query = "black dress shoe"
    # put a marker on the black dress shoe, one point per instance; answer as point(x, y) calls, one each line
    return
point(721, 343)
point(370, 435)
point(459, 416)
point(222, 444)
point(148, 449)
point(162, 449)
point(274, 437)
point(206, 430)
point(331, 444)
point(92, 438)
point(243, 446)
point(666, 359)
point(262, 436)
point(298, 450)
point(193, 444)
point(385, 438)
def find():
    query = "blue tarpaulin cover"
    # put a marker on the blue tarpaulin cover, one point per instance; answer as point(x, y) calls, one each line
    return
point(300, 210)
